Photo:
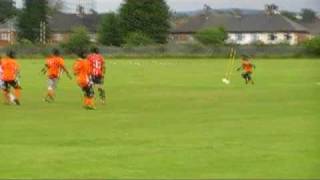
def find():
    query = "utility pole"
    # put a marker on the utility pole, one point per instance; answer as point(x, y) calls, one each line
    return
point(43, 33)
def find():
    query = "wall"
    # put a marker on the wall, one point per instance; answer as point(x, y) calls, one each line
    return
point(265, 38)
point(249, 38)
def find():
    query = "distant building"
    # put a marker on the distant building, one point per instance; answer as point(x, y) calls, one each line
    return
point(61, 24)
point(244, 29)
point(313, 26)
point(7, 32)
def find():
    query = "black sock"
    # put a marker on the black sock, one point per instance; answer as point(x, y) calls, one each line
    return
point(102, 93)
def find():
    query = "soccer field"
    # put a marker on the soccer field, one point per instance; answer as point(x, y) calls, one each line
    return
point(168, 118)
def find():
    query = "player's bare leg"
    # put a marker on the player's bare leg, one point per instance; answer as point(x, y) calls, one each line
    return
point(6, 97)
point(17, 94)
point(49, 96)
point(102, 94)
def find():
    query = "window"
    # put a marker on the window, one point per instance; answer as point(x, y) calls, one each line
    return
point(239, 37)
point(2, 37)
point(255, 37)
point(272, 37)
point(288, 36)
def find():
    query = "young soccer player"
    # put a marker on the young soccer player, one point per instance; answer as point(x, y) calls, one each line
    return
point(247, 68)
point(82, 71)
point(97, 64)
point(10, 74)
point(11, 97)
point(1, 82)
point(54, 67)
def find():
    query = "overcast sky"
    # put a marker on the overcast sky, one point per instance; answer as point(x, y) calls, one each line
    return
point(187, 5)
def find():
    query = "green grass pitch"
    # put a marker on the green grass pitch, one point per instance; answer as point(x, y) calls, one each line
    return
point(168, 118)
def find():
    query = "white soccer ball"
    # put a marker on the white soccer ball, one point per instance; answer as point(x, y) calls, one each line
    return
point(225, 81)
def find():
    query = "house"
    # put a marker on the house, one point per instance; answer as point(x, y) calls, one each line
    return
point(61, 24)
point(244, 29)
point(7, 32)
point(313, 26)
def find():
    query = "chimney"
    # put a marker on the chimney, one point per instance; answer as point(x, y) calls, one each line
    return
point(271, 9)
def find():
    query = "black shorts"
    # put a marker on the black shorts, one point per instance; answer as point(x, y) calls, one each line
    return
point(8, 84)
point(97, 80)
point(247, 75)
point(88, 91)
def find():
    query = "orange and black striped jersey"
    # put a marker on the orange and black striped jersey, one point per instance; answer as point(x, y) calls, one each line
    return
point(54, 65)
point(10, 69)
point(247, 66)
point(82, 70)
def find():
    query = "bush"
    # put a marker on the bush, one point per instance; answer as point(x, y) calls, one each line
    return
point(137, 39)
point(313, 46)
point(213, 36)
point(79, 40)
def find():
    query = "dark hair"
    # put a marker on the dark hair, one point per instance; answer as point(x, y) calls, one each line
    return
point(11, 53)
point(245, 57)
point(82, 54)
point(56, 52)
point(95, 50)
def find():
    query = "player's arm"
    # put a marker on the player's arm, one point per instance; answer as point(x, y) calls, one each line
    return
point(45, 69)
point(66, 71)
point(18, 73)
point(103, 67)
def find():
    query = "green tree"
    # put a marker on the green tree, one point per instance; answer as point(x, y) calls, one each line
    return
point(7, 9)
point(109, 32)
point(290, 15)
point(151, 17)
point(308, 15)
point(212, 36)
point(313, 45)
point(33, 14)
point(79, 40)
point(137, 39)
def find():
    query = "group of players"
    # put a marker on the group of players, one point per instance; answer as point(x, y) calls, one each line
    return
point(89, 70)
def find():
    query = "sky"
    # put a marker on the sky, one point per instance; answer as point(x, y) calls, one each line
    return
point(189, 5)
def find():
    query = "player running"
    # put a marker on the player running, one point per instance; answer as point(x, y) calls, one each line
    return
point(82, 71)
point(54, 67)
point(11, 97)
point(98, 68)
point(247, 68)
point(10, 73)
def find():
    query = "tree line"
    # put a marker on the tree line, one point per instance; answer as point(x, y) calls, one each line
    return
point(136, 22)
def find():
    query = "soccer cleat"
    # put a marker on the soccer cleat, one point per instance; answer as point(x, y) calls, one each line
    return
point(17, 102)
point(89, 108)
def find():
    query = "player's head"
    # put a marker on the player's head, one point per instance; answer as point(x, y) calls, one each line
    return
point(95, 50)
point(11, 53)
point(245, 57)
point(82, 54)
point(56, 52)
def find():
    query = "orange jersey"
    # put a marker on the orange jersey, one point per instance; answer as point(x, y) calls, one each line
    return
point(10, 69)
point(247, 67)
point(54, 65)
point(97, 64)
point(82, 70)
